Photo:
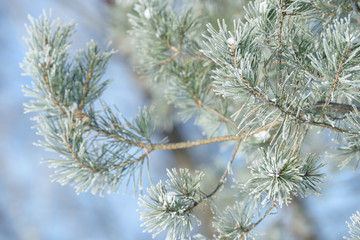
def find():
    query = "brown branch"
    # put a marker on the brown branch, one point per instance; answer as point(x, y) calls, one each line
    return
point(313, 74)
point(86, 86)
point(53, 99)
point(170, 58)
point(300, 119)
point(115, 136)
point(336, 81)
point(131, 162)
point(266, 127)
point(181, 145)
point(75, 156)
point(222, 179)
point(262, 218)
point(258, 94)
point(196, 143)
point(211, 109)
point(282, 14)
point(222, 117)
point(175, 49)
point(253, 91)
point(169, 146)
point(197, 57)
point(178, 51)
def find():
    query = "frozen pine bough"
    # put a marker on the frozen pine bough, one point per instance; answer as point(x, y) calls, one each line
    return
point(261, 84)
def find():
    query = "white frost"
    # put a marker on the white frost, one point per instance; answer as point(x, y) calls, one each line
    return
point(147, 13)
point(170, 197)
point(262, 136)
point(230, 41)
point(263, 6)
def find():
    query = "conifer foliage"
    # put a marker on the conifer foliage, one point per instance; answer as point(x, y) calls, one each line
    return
point(263, 82)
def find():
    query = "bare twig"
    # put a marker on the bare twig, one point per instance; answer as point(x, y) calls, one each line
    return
point(222, 179)
point(262, 218)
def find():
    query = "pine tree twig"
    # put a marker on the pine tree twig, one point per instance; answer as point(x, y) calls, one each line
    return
point(171, 58)
point(86, 86)
point(300, 119)
point(300, 141)
point(336, 106)
point(314, 74)
point(336, 81)
point(258, 94)
point(196, 143)
point(197, 57)
point(76, 157)
point(282, 14)
point(146, 154)
point(222, 117)
point(200, 103)
point(169, 146)
point(222, 179)
point(47, 83)
point(253, 91)
point(226, 172)
point(274, 204)
point(177, 50)
point(114, 136)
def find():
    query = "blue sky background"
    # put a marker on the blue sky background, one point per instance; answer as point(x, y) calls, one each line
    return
point(32, 208)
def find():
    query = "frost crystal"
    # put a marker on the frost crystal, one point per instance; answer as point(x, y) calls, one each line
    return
point(262, 136)
point(230, 41)
point(262, 7)
point(170, 197)
point(147, 13)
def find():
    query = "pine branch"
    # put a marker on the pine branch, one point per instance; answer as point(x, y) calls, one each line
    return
point(274, 204)
point(75, 156)
point(336, 81)
point(279, 53)
point(86, 86)
point(271, 76)
point(47, 82)
point(222, 179)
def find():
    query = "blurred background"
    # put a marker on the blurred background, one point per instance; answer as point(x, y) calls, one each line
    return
point(32, 208)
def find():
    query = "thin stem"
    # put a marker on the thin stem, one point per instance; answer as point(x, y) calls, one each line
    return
point(180, 145)
point(300, 119)
point(221, 116)
point(114, 136)
point(75, 156)
point(175, 49)
point(172, 57)
point(336, 81)
point(53, 99)
point(209, 108)
point(132, 162)
point(282, 14)
point(262, 218)
point(197, 57)
point(86, 86)
point(170, 146)
point(222, 179)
